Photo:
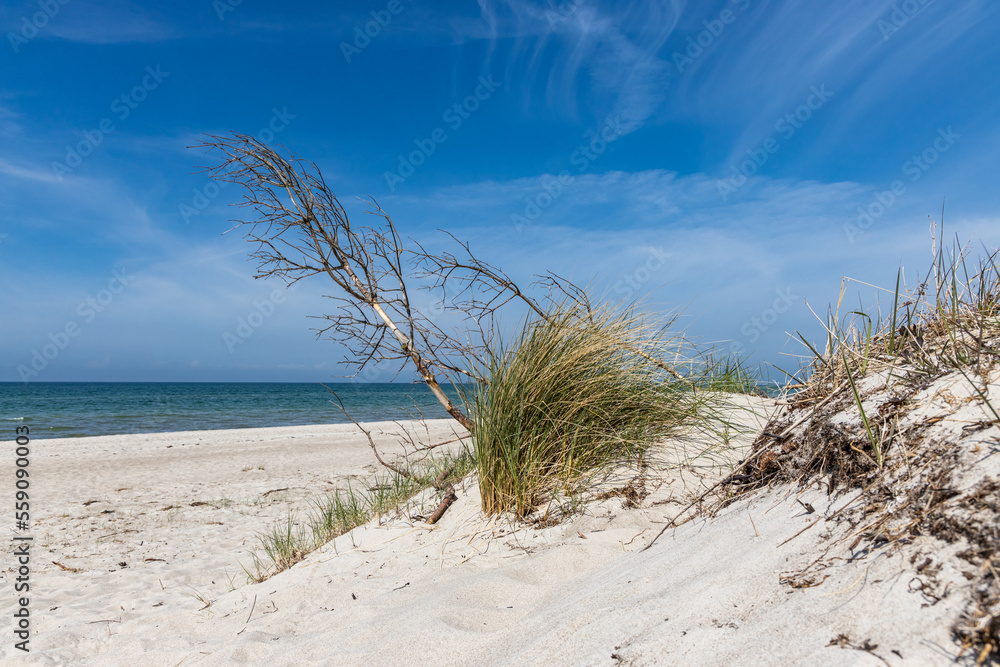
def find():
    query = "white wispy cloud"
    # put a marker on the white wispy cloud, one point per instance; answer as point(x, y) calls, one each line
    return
point(925, 49)
point(724, 261)
point(754, 73)
point(109, 23)
point(551, 54)
point(29, 173)
point(10, 125)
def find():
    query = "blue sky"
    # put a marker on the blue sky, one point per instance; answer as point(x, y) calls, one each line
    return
point(706, 156)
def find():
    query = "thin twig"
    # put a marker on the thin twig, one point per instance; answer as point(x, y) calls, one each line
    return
point(252, 607)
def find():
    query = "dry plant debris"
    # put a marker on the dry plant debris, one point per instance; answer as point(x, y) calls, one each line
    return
point(899, 419)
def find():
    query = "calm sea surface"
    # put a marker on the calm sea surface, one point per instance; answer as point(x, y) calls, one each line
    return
point(73, 409)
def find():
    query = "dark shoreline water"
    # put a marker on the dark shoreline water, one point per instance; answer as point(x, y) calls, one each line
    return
point(77, 409)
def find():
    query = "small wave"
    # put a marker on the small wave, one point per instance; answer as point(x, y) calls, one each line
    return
point(11, 419)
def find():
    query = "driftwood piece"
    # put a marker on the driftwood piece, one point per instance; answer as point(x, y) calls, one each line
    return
point(449, 498)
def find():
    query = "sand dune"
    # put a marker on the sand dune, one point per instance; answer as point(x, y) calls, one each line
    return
point(736, 588)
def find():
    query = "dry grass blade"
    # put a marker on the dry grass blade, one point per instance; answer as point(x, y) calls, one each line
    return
point(876, 444)
point(340, 512)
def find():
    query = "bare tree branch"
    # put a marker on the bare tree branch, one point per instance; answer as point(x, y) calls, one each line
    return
point(300, 230)
point(371, 441)
point(482, 289)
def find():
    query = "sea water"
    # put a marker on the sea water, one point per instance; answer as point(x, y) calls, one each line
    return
point(74, 409)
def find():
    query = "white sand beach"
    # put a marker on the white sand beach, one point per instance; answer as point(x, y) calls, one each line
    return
point(139, 542)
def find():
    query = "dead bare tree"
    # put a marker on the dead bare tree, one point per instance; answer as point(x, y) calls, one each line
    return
point(300, 229)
